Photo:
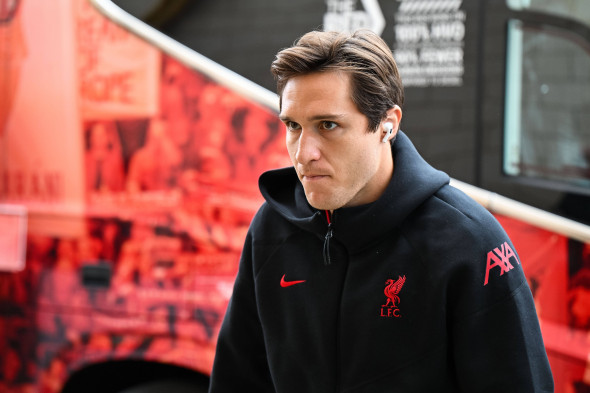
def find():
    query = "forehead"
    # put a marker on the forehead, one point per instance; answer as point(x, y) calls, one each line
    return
point(317, 91)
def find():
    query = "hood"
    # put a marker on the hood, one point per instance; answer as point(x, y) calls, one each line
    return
point(413, 181)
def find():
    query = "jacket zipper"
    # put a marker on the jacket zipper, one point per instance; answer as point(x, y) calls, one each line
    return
point(327, 238)
point(330, 218)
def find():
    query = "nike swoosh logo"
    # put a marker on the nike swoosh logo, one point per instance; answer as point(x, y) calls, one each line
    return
point(286, 284)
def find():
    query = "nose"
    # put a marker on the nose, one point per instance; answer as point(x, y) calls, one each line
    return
point(308, 148)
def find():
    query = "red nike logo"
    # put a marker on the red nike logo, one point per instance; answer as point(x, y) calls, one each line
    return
point(286, 284)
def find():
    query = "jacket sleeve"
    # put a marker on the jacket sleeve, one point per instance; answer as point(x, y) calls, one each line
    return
point(497, 342)
point(501, 349)
point(240, 360)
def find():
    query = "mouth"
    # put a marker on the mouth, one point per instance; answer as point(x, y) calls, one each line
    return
point(312, 177)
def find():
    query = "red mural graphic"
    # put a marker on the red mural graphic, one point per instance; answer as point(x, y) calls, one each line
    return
point(168, 162)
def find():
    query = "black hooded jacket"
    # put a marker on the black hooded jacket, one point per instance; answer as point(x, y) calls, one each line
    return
point(419, 291)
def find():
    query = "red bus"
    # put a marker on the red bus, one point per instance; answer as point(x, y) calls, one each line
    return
point(129, 165)
point(128, 178)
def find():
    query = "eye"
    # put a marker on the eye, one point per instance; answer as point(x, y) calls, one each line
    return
point(292, 126)
point(328, 125)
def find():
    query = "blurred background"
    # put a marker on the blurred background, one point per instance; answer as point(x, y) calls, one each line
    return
point(132, 135)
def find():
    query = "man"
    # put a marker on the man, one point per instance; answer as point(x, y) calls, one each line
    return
point(365, 271)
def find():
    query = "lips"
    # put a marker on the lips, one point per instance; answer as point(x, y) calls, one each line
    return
point(312, 174)
point(306, 174)
point(313, 177)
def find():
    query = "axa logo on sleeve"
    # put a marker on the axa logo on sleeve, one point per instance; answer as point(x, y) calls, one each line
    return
point(500, 257)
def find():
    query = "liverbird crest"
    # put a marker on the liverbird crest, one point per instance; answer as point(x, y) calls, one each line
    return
point(392, 288)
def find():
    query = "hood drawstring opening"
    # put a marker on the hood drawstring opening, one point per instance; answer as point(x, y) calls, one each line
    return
point(327, 238)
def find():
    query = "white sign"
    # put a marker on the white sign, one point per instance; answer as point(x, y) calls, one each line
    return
point(429, 41)
point(342, 15)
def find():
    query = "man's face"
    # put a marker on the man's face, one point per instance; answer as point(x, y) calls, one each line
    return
point(339, 163)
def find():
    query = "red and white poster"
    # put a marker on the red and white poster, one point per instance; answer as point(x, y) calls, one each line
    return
point(117, 72)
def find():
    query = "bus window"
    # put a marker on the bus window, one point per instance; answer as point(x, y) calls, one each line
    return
point(578, 10)
point(547, 96)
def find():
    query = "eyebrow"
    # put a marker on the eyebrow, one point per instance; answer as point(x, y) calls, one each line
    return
point(321, 116)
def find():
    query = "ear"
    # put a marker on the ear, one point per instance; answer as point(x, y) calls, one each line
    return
point(390, 125)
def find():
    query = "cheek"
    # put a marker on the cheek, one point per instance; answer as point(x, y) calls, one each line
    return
point(363, 158)
point(365, 165)
point(291, 145)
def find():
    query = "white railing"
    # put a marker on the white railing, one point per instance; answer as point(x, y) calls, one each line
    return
point(496, 203)
point(493, 202)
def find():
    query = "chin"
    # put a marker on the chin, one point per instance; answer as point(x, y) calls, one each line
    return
point(323, 204)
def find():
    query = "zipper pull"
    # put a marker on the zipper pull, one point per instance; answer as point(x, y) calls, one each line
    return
point(327, 238)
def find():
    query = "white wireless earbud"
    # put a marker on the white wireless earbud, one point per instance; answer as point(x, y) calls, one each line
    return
point(389, 128)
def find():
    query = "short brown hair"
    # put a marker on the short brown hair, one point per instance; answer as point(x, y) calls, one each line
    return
point(376, 84)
